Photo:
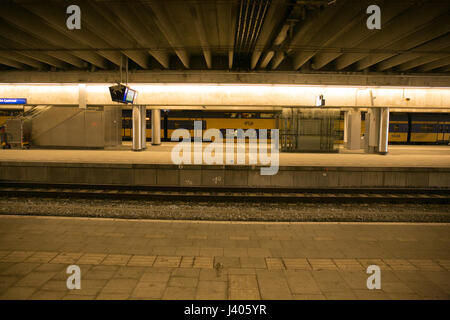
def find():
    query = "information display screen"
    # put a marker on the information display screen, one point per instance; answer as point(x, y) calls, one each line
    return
point(13, 101)
point(129, 96)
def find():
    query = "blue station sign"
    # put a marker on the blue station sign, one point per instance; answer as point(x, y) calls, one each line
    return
point(13, 100)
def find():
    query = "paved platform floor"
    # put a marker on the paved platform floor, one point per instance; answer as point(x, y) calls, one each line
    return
point(398, 156)
point(147, 259)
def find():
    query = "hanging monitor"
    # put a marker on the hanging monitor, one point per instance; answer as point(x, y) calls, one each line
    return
point(123, 94)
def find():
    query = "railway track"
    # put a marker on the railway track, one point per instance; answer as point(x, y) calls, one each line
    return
point(228, 195)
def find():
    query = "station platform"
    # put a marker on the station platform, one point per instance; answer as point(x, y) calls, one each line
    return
point(154, 259)
point(402, 167)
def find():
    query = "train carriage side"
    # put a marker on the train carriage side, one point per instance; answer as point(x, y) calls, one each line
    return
point(430, 128)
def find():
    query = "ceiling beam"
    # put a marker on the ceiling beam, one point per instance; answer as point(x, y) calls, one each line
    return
point(435, 64)
point(138, 30)
point(98, 20)
point(307, 31)
point(198, 19)
point(22, 39)
point(272, 19)
point(11, 63)
point(433, 45)
point(217, 77)
point(344, 15)
point(51, 29)
point(431, 30)
point(422, 59)
point(22, 59)
point(357, 33)
point(404, 25)
point(162, 19)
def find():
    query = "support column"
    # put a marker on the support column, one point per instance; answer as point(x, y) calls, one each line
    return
point(384, 131)
point(156, 126)
point(138, 128)
point(144, 126)
point(352, 129)
point(372, 130)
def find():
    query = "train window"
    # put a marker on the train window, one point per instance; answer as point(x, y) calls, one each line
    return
point(231, 115)
point(266, 115)
point(247, 115)
point(396, 128)
point(427, 128)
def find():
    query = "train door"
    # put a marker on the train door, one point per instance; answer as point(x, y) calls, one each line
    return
point(440, 128)
point(443, 132)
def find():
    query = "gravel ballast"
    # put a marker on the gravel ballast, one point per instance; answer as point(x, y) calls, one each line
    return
point(194, 210)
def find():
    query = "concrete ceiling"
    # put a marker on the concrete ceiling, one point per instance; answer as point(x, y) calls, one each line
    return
point(239, 35)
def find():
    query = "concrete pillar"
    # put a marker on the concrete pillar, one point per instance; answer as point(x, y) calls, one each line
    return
point(372, 129)
point(353, 128)
point(384, 131)
point(156, 126)
point(138, 129)
point(144, 126)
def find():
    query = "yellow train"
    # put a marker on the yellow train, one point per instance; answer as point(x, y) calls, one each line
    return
point(404, 128)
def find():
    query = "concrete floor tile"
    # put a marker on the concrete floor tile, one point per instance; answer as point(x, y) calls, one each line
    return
point(403, 296)
point(179, 293)
point(186, 272)
point(20, 269)
point(242, 282)
point(17, 293)
point(241, 271)
point(91, 258)
point(235, 252)
point(347, 295)
point(296, 264)
point(308, 297)
point(79, 297)
point(302, 283)
point(426, 265)
point(187, 251)
point(182, 282)
point(210, 252)
point(47, 295)
point(213, 275)
point(187, 262)
point(274, 264)
point(155, 277)
point(322, 264)
point(116, 260)
point(120, 286)
point(42, 257)
point(149, 290)
point(273, 287)
point(88, 288)
point(129, 272)
point(211, 290)
point(228, 262)
point(141, 261)
point(203, 262)
point(167, 261)
point(253, 262)
point(17, 256)
point(244, 294)
point(55, 285)
point(101, 272)
point(258, 252)
point(371, 294)
point(348, 264)
point(66, 258)
point(35, 279)
point(113, 296)
point(7, 281)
